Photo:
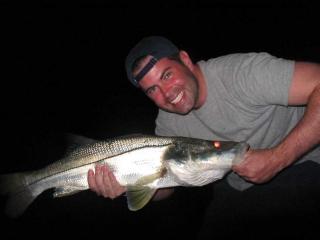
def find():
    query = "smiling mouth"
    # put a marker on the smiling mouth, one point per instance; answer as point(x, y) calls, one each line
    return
point(177, 98)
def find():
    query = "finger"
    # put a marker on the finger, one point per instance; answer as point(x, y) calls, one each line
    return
point(248, 179)
point(113, 179)
point(244, 176)
point(102, 185)
point(117, 188)
point(245, 160)
point(106, 187)
point(91, 181)
point(239, 169)
point(235, 168)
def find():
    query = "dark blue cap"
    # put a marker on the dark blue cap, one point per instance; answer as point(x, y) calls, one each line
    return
point(156, 46)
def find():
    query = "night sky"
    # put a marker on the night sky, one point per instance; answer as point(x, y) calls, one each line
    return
point(63, 72)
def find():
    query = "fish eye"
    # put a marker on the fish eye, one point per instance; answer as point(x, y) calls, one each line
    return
point(216, 144)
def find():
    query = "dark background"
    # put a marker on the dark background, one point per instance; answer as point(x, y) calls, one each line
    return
point(63, 72)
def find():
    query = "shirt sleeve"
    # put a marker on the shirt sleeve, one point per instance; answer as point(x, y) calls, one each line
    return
point(259, 78)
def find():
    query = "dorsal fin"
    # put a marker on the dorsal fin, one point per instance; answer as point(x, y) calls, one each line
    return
point(74, 141)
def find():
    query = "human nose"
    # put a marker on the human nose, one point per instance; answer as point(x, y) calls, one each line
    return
point(165, 90)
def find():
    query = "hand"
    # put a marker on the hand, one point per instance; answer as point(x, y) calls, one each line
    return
point(104, 183)
point(259, 166)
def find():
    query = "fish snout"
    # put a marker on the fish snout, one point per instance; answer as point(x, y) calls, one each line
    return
point(241, 150)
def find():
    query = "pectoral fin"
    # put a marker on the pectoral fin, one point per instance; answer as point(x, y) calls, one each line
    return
point(139, 196)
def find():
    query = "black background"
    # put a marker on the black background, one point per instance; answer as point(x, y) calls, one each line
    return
point(63, 72)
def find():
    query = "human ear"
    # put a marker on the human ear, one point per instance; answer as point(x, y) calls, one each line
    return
point(184, 56)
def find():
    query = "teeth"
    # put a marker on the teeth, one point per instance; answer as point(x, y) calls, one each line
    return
point(178, 98)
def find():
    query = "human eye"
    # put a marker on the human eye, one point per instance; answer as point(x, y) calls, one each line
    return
point(167, 75)
point(151, 90)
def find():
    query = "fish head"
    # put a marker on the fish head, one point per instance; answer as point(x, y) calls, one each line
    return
point(198, 162)
point(207, 152)
point(219, 154)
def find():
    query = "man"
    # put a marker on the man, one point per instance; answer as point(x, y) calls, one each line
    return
point(269, 102)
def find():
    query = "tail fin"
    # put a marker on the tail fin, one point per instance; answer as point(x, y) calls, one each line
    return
point(20, 194)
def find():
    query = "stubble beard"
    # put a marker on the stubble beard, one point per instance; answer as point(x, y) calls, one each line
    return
point(190, 104)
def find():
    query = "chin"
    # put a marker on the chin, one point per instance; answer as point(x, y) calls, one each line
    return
point(185, 112)
point(179, 111)
point(182, 110)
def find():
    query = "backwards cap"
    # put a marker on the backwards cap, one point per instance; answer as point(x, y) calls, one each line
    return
point(156, 46)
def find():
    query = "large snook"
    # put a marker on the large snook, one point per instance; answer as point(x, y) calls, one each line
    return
point(142, 163)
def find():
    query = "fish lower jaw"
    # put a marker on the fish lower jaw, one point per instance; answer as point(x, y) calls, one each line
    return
point(241, 155)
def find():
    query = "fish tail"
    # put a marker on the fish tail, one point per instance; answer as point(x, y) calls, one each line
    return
point(20, 193)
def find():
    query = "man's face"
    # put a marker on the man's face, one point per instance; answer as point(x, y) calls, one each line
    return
point(171, 85)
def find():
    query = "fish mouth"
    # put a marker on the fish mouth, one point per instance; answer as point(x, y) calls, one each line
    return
point(243, 148)
point(177, 98)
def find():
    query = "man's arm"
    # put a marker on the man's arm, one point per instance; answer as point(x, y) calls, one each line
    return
point(261, 165)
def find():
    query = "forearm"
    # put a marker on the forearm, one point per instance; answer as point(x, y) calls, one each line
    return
point(261, 165)
point(304, 136)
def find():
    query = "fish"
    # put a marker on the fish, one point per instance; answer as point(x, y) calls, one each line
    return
point(142, 163)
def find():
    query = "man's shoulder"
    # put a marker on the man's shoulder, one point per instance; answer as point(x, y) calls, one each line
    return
point(235, 58)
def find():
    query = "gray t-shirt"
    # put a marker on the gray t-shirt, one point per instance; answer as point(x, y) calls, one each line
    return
point(247, 101)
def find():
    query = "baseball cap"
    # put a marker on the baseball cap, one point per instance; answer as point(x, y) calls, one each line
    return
point(156, 46)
